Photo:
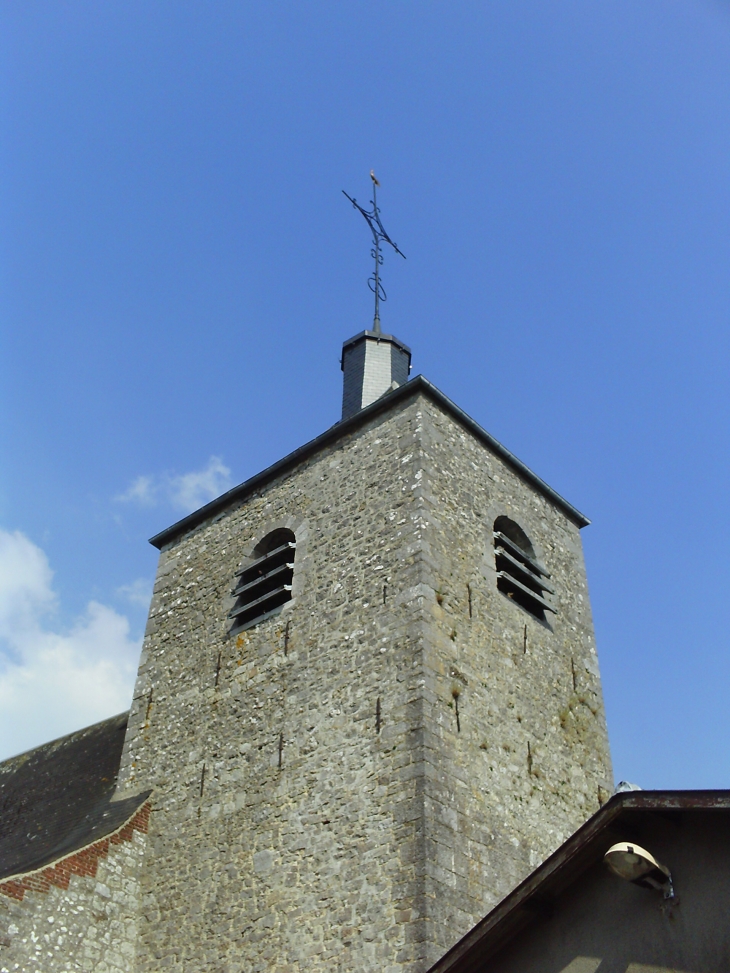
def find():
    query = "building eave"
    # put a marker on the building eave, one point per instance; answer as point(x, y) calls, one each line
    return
point(58, 798)
point(417, 385)
point(533, 898)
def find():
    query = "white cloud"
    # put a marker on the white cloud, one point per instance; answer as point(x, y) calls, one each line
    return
point(53, 681)
point(186, 492)
point(139, 592)
point(192, 490)
point(143, 491)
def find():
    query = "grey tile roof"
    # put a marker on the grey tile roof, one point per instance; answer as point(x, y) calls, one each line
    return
point(57, 799)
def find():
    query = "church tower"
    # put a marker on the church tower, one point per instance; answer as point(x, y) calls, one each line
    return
point(368, 703)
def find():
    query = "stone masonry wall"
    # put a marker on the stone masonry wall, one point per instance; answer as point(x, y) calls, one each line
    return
point(317, 807)
point(527, 760)
point(78, 915)
point(287, 833)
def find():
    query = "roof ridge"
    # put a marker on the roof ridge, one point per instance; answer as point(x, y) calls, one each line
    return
point(61, 739)
point(417, 384)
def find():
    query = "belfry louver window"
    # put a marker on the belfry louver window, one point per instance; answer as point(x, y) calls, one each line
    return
point(520, 576)
point(265, 583)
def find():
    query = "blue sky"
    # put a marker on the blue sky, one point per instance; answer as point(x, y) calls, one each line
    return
point(179, 270)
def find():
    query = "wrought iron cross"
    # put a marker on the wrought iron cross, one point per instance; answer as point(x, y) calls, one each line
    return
point(379, 235)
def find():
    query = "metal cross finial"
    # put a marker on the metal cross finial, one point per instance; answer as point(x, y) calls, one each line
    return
point(373, 219)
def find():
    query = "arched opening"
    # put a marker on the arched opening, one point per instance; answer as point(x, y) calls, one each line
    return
point(265, 583)
point(515, 533)
point(520, 576)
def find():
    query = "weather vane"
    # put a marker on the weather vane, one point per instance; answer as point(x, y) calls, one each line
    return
point(376, 227)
